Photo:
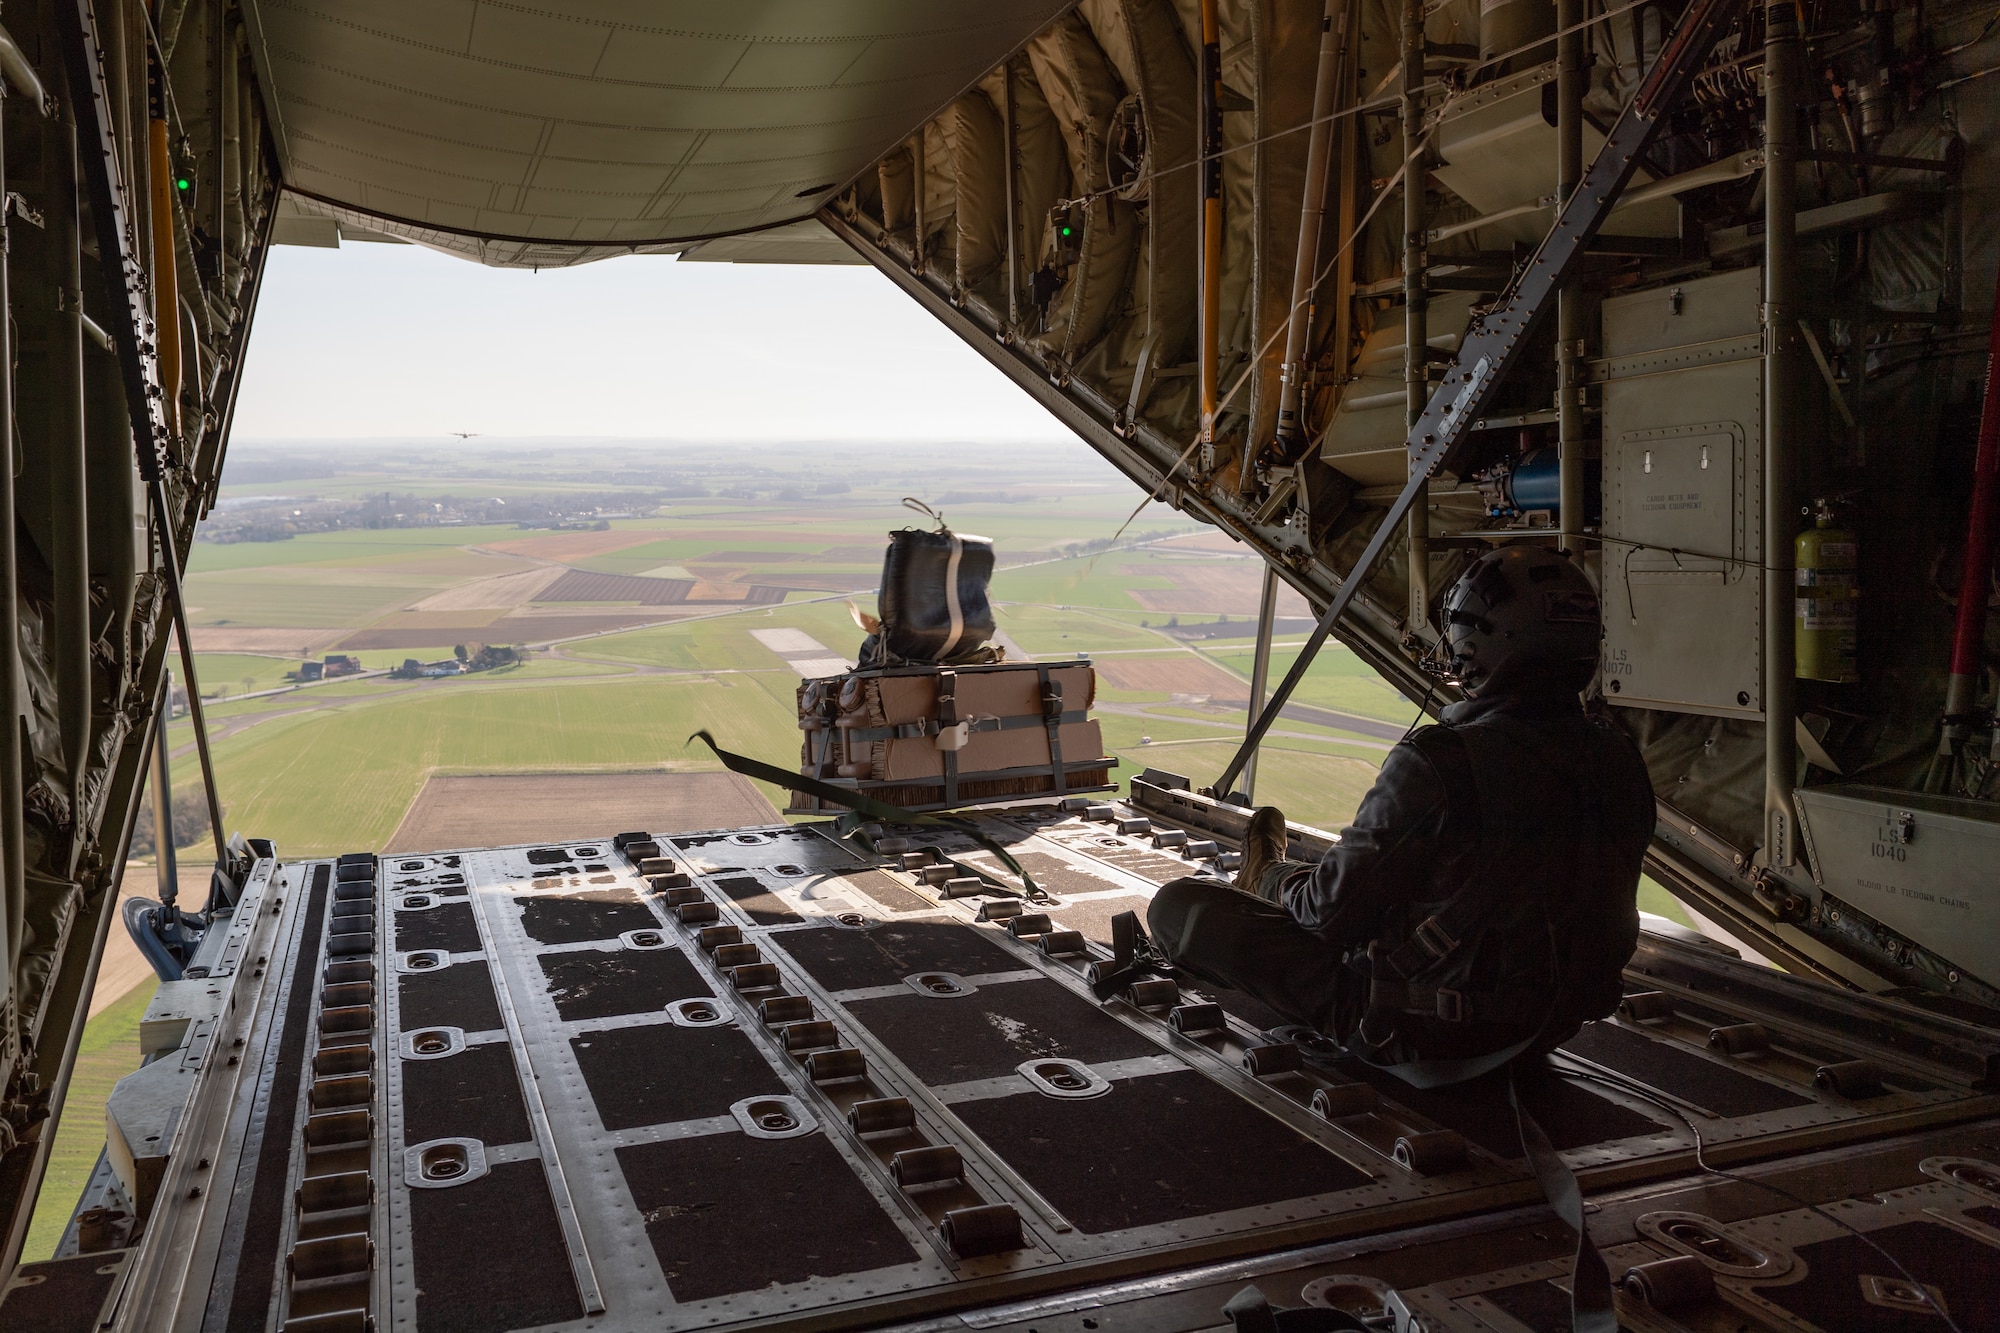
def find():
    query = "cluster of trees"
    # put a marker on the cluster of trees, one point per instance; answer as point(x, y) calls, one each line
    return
point(1092, 547)
point(284, 517)
point(190, 823)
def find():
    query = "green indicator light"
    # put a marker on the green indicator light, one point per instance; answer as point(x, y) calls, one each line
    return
point(182, 183)
point(1068, 232)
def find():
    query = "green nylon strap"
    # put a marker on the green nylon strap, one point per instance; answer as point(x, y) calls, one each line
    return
point(867, 807)
point(1591, 1308)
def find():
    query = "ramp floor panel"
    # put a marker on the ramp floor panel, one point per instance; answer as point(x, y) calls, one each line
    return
point(1846, 1279)
point(447, 926)
point(1540, 1305)
point(1130, 855)
point(658, 1073)
point(1163, 1148)
point(754, 896)
point(1063, 878)
point(459, 996)
point(605, 983)
point(841, 959)
point(886, 893)
point(472, 1094)
point(1092, 916)
point(576, 917)
point(991, 1031)
point(489, 1254)
point(1707, 1083)
point(1573, 1116)
point(727, 1213)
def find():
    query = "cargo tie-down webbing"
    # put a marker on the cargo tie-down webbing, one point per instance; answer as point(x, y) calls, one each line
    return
point(1590, 1280)
point(862, 808)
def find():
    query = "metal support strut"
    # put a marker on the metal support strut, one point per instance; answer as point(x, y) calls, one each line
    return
point(1782, 421)
point(1571, 74)
point(1260, 667)
point(1210, 182)
point(1416, 310)
point(1011, 155)
point(170, 567)
point(69, 501)
point(13, 866)
point(168, 872)
point(1490, 348)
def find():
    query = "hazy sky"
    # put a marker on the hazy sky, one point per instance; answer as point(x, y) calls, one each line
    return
point(396, 340)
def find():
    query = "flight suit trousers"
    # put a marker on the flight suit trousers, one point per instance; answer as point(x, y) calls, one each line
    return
point(1221, 935)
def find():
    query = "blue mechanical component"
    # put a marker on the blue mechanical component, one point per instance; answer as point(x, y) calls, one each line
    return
point(1531, 484)
point(1537, 482)
point(166, 936)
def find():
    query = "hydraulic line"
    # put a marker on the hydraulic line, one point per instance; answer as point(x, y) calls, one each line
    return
point(917, 201)
point(1210, 179)
point(20, 74)
point(1341, 342)
point(166, 285)
point(1968, 640)
point(1312, 220)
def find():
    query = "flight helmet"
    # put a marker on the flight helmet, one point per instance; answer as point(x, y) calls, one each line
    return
point(1522, 616)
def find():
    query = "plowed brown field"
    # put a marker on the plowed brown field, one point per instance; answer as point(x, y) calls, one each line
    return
point(452, 812)
point(1224, 587)
point(1181, 673)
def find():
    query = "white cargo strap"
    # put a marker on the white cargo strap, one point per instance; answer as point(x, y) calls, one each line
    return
point(951, 598)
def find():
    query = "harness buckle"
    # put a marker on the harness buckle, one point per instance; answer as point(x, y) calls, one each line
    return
point(1450, 1006)
point(1433, 938)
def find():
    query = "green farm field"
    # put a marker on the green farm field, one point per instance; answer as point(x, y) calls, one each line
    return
point(109, 1051)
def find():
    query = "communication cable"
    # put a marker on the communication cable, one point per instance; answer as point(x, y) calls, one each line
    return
point(1636, 1089)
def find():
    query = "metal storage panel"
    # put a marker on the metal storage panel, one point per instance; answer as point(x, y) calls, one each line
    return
point(1921, 865)
point(1683, 481)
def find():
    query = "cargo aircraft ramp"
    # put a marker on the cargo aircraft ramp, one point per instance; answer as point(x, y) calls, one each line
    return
point(769, 1077)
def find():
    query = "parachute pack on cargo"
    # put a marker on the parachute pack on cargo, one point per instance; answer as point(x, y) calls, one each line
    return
point(932, 608)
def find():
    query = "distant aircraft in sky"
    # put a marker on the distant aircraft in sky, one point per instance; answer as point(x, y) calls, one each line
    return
point(464, 434)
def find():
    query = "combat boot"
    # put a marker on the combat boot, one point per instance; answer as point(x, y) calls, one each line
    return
point(1264, 845)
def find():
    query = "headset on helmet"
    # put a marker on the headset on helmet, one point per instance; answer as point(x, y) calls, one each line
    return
point(1522, 615)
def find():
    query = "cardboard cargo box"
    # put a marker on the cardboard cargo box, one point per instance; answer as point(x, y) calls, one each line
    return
point(933, 738)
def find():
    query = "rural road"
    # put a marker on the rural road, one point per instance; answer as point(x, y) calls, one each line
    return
point(1327, 717)
point(1232, 729)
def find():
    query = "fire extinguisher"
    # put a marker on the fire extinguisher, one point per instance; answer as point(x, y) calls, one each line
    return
point(1827, 619)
